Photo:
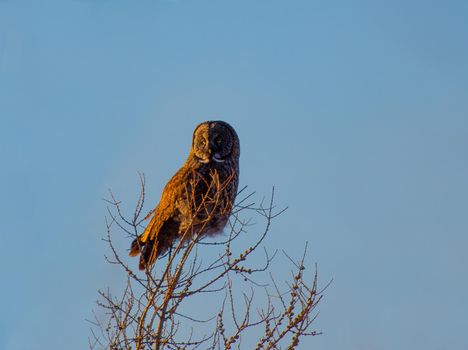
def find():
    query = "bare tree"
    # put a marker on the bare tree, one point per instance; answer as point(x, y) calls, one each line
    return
point(245, 306)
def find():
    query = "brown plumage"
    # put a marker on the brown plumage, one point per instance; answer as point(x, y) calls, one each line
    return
point(199, 198)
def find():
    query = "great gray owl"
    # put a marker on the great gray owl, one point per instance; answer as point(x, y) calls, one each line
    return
point(199, 198)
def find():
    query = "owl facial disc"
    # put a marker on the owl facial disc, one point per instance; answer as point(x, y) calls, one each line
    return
point(214, 141)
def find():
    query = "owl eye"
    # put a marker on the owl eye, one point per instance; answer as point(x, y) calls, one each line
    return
point(201, 142)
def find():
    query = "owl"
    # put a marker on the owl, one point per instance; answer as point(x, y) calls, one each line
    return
point(199, 198)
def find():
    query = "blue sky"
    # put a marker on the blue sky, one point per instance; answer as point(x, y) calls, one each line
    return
point(357, 111)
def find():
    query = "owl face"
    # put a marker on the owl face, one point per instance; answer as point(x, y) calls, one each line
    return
point(214, 141)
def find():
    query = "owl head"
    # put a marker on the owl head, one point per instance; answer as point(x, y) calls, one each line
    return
point(215, 141)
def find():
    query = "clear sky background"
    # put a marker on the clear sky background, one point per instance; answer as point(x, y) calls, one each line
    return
point(357, 111)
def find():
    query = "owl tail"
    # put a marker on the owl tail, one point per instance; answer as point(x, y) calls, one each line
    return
point(148, 255)
point(147, 251)
point(154, 241)
point(136, 247)
point(143, 245)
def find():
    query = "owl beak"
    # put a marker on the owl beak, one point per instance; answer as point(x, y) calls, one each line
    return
point(217, 159)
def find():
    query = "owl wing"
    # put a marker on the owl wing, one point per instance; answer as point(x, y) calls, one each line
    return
point(163, 228)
